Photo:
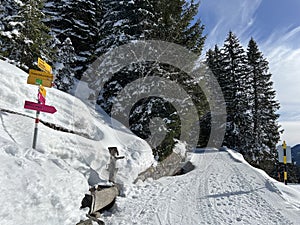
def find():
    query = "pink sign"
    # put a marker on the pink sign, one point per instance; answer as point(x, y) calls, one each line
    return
point(39, 107)
point(41, 98)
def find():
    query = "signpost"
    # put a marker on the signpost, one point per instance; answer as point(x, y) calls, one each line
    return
point(41, 99)
point(39, 81)
point(37, 77)
point(43, 79)
point(40, 73)
point(284, 156)
point(44, 66)
point(42, 91)
point(39, 107)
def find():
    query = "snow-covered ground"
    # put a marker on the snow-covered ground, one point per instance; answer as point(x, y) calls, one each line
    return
point(223, 189)
point(46, 185)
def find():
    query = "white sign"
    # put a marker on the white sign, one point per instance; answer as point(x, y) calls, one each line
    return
point(288, 154)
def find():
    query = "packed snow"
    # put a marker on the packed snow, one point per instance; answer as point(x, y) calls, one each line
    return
point(46, 185)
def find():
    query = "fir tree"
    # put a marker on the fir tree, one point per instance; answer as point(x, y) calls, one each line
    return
point(264, 105)
point(28, 36)
point(65, 72)
point(127, 21)
point(235, 88)
point(78, 21)
point(8, 10)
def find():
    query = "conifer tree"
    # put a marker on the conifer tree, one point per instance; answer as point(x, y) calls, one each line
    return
point(28, 36)
point(127, 21)
point(8, 10)
point(78, 21)
point(230, 67)
point(264, 105)
point(65, 72)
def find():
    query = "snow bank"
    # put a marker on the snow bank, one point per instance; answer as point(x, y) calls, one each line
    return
point(46, 185)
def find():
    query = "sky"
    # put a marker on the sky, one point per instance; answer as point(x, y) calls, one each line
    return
point(275, 26)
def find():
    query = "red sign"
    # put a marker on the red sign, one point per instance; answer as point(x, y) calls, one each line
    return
point(41, 98)
point(39, 107)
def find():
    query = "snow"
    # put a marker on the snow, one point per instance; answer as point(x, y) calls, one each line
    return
point(46, 185)
point(223, 189)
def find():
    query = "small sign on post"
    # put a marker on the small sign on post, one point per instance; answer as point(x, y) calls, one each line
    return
point(284, 156)
point(39, 107)
point(44, 66)
point(281, 154)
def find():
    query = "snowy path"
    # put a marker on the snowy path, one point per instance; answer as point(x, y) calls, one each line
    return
point(221, 190)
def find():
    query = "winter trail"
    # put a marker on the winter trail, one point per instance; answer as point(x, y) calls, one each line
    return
point(221, 190)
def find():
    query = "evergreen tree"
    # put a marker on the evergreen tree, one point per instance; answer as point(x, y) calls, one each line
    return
point(28, 36)
point(175, 24)
point(65, 72)
point(78, 21)
point(252, 126)
point(235, 88)
point(127, 21)
point(264, 105)
point(8, 11)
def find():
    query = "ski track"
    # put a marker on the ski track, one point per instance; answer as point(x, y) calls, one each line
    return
point(219, 191)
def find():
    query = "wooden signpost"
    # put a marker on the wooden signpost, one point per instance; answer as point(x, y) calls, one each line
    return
point(37, 77)
point(43, 79)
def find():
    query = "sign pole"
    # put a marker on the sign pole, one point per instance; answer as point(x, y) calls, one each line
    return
point(37, 120)
point(284, 162)
point(36, 129)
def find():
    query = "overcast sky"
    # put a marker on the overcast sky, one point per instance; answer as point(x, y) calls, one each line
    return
point(275, 25)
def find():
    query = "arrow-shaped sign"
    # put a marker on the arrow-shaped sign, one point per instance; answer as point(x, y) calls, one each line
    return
point(42, 90)
point(39, 107)
point(44, 66)
point(41, 99)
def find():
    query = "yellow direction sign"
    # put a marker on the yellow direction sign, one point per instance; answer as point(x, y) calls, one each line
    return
point(37, 80)
point(42, 90)
point(40, 73)
point(44, 66)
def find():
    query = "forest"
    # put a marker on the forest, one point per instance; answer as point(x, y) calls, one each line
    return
point(71, 35)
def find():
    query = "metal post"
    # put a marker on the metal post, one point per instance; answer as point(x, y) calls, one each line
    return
point(36, 129)
point(37, 120)
point(284, 162)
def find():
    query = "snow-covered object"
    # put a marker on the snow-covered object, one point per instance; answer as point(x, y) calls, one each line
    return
point(46, 185)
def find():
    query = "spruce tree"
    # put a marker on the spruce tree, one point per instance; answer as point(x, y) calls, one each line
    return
point(8, 10)
point(28, 36)
point(264, 105)
point(78, 21)
point(65, 72)
point(126, 21)
point(233, 75)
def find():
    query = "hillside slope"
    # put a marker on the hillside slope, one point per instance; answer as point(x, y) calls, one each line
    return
point(46, 185)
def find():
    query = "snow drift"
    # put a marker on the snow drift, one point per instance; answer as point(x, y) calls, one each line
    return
point(46, 185)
